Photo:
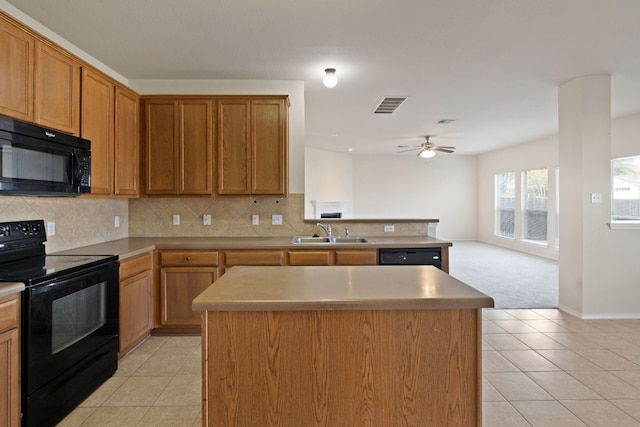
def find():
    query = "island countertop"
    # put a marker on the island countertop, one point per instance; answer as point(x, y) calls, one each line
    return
point(338, 288)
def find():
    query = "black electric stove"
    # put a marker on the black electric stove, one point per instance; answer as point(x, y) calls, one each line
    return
point(69, 324)
point(23, 257)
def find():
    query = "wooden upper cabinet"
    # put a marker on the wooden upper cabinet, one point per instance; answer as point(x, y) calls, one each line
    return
point(195, 124)
point(109, 120)
point(161, 136)
point(234, 146)
point(57, 89)
point(179, 146)
point(16, 71)
point(127, 142)
point(253, 143)
point(269, 144)
point(97, 125)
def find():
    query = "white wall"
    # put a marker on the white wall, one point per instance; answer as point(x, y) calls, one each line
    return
point(328, 177)
point(618, 293)
point(542, 153)
point(411, 187)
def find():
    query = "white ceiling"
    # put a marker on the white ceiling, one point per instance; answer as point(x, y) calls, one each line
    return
point(492, 65)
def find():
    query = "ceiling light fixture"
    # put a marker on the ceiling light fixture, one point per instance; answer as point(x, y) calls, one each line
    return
point(427, 154)
point(330, 79)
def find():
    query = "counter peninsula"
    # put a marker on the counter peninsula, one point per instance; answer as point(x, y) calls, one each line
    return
point(342, 345)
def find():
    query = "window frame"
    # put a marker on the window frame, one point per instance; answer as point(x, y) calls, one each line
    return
point(524, 230)
point(497, 218)
point(621, 223)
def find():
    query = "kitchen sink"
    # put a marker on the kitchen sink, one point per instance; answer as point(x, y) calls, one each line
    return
point(309, 239)
point(347, 239)
point(332, 239)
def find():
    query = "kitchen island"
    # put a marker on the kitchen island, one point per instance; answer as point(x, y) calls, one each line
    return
point(343, 345)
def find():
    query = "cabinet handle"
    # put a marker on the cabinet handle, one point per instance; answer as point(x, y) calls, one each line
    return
point(188, 258)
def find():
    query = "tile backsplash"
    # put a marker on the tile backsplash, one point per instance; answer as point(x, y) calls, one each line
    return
point(79, 221)
point(232, 216)
point(86, 220)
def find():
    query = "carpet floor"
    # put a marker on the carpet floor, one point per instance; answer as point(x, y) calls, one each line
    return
point(513, 279)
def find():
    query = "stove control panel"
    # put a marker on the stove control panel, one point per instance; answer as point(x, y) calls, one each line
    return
point(21, 230)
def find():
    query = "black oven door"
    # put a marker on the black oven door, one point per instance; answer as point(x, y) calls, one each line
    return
point(67, 322)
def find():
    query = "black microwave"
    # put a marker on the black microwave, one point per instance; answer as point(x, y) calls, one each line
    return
point(42, 162)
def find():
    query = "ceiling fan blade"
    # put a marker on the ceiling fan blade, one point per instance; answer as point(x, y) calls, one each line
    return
point(442, 149)
point(410, 149)
point(448, 147)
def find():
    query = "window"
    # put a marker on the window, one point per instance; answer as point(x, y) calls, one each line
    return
point(535, 189)
point(625, 192)
point(505, 186)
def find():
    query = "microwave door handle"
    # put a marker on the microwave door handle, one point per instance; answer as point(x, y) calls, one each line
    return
point(73, 166)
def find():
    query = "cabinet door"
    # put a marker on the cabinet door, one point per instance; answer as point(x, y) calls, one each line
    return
point(234, 146)
point(253, 257)
point(10, 378)
point(196, 146)
point(361, 257)
point(269, 147)
point(16, 71)
point(178, 288)
point(135, 309)
point(161, 137)
point(127, 143)
point(309, 257)
point(97, 125)
point(57, 90)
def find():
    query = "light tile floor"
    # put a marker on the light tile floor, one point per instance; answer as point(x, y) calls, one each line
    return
point(157, 384)
point(540, 368)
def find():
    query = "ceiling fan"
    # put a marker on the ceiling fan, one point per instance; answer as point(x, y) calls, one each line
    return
point(428, 149)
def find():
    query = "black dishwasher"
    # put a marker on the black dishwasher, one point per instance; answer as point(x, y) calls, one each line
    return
point(417, 256)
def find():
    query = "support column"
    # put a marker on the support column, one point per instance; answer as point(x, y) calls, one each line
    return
point(584, 111)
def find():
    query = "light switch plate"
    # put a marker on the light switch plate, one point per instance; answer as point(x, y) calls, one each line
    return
point(276, 219)
point(596, 198)
point(116, 221)
point(176, 220)
point(389, 228)
point(206, 219)
point(255, 219)
point(51, 228)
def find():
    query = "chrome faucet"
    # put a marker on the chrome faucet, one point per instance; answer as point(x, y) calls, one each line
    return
point(327, 228)
point(346, 231)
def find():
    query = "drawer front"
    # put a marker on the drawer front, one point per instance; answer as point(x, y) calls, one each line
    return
point(9, 312)
point(185, 258)
point(253, 258)
point(357, 257)
point(135, 265)
point(310, 258)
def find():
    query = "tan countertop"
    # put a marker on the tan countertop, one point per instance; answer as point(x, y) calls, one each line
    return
point(8, 288)
point(133, 246)
point(338, 288)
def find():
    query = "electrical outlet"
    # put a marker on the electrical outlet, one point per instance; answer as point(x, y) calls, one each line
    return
point(389, 228)
point(255, 219)
point(51, 228)
point(116, 221)
point(176, 220)
point(206, 219)
point(596, 198)
point(276, 219)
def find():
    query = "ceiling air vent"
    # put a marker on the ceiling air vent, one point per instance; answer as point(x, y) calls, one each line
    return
point(388, 105)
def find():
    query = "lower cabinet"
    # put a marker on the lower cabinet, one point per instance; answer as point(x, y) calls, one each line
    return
point(333, 257)
point(9, 361)
point(136, 313)
point(183, 276)
point(251, 257)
